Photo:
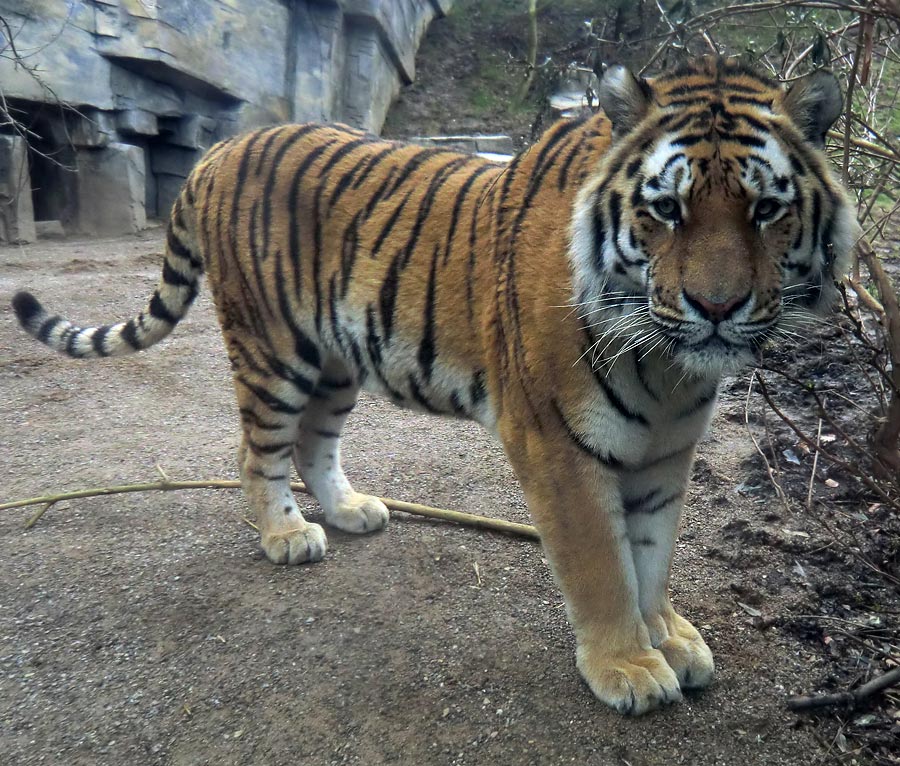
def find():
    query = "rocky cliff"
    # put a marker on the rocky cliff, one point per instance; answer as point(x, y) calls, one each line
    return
point(129, 93)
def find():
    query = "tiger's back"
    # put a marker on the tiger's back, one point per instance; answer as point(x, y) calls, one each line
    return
point(581, 302)
point(370, 265)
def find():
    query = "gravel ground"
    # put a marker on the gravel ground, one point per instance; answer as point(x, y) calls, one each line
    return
point(148, 628)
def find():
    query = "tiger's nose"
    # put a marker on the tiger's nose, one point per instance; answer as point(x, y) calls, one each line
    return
point(715, 311)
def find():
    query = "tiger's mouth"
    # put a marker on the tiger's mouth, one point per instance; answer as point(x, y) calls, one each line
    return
point(720, 349)
point(714, 355)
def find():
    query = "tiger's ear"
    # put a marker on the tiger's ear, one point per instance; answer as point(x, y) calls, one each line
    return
point(813, 103)
point(624, 98)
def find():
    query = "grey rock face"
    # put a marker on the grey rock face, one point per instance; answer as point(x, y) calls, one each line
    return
point(16, 211)
point(111, 190)
point(169, 79)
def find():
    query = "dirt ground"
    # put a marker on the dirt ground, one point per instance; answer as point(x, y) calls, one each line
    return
point(148, 628)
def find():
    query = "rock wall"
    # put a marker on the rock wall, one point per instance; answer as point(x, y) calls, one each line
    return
point(130, 93)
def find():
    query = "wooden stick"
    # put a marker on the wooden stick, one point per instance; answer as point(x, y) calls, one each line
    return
point(457, 517)
point(846, 698)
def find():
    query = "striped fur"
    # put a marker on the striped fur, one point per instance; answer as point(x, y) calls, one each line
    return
point(581, 303)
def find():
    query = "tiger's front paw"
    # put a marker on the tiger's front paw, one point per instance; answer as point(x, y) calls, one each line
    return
point(307, 543)
point(631, 684)
point(359, 514)
point(687, 653)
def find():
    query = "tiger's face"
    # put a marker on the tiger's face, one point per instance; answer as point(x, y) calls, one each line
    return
point(717, 225)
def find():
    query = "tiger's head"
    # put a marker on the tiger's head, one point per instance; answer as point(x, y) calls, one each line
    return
point(713, 222)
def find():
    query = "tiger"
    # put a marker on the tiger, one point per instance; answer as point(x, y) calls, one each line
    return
point(582, 302)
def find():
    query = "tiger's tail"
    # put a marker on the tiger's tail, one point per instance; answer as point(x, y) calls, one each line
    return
point(177, 288)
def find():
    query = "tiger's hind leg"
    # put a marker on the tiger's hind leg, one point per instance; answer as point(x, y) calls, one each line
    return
point(317, 454)
point(272, 396)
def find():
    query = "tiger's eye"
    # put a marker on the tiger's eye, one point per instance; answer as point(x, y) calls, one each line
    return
point(766, 209)
point(667, 208)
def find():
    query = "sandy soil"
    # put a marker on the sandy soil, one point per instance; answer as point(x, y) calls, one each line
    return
point(147, 628)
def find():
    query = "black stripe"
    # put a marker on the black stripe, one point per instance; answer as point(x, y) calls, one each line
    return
point(702, 402)
point(763, 102)
point(658, 505)
point(303, 384)
point(358, 173)
point(456, 403)
point(97, 341)
point(549, 141)
point(387, 297)
point(642, 379)
point(562, 180)
point(336, 330)
point(269, 188)
point(293, 212)
point(745, 140)
point(425, 204)
point(176, 278)
point(256, 258)
point(427, 350)
point(690, 140)
point(374, 162)
point(336, 385)
point(681, 123)
point(477, 388)
point(129, 334)
point(248, 415)
point(327, 434)
point(632, 504)
point(71, 340)
point(754, 123)
point(389, 225)
point(470, 264)
point(159, 310)
point(342, 152)
point(816, 216)
point(343, 410)
point(274, 403)
point(579, 440)
point(268, 449)
point(599, 236)
point(412, 164)
point(382, 192)
point(373, 339)
point(273, 134)
point(349, 247)
point(615, 214)
point(304, 347)
point(457, 205)
point(268, 477)
point(614, 399)
point(47, 327)
point(178, 248)
point(239, 188)
point(662, 459)
point(419, 397)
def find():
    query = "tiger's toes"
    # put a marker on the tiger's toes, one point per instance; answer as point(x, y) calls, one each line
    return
point(630, 685)
point(691, 660)
point(359, 514)
point(307, 543)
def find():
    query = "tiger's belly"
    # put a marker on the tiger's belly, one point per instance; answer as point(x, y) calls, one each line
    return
point(405, 372)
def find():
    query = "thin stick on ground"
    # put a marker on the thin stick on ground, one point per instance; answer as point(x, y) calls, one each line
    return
point(848, 699)
point(416, 509)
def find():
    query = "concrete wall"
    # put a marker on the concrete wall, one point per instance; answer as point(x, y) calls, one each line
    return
point(153, 83)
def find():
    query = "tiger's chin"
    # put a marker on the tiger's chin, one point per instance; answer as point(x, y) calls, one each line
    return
point(713, 358)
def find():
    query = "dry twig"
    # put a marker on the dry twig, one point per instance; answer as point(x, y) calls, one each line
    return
point(457, 517)
point(848, 699)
